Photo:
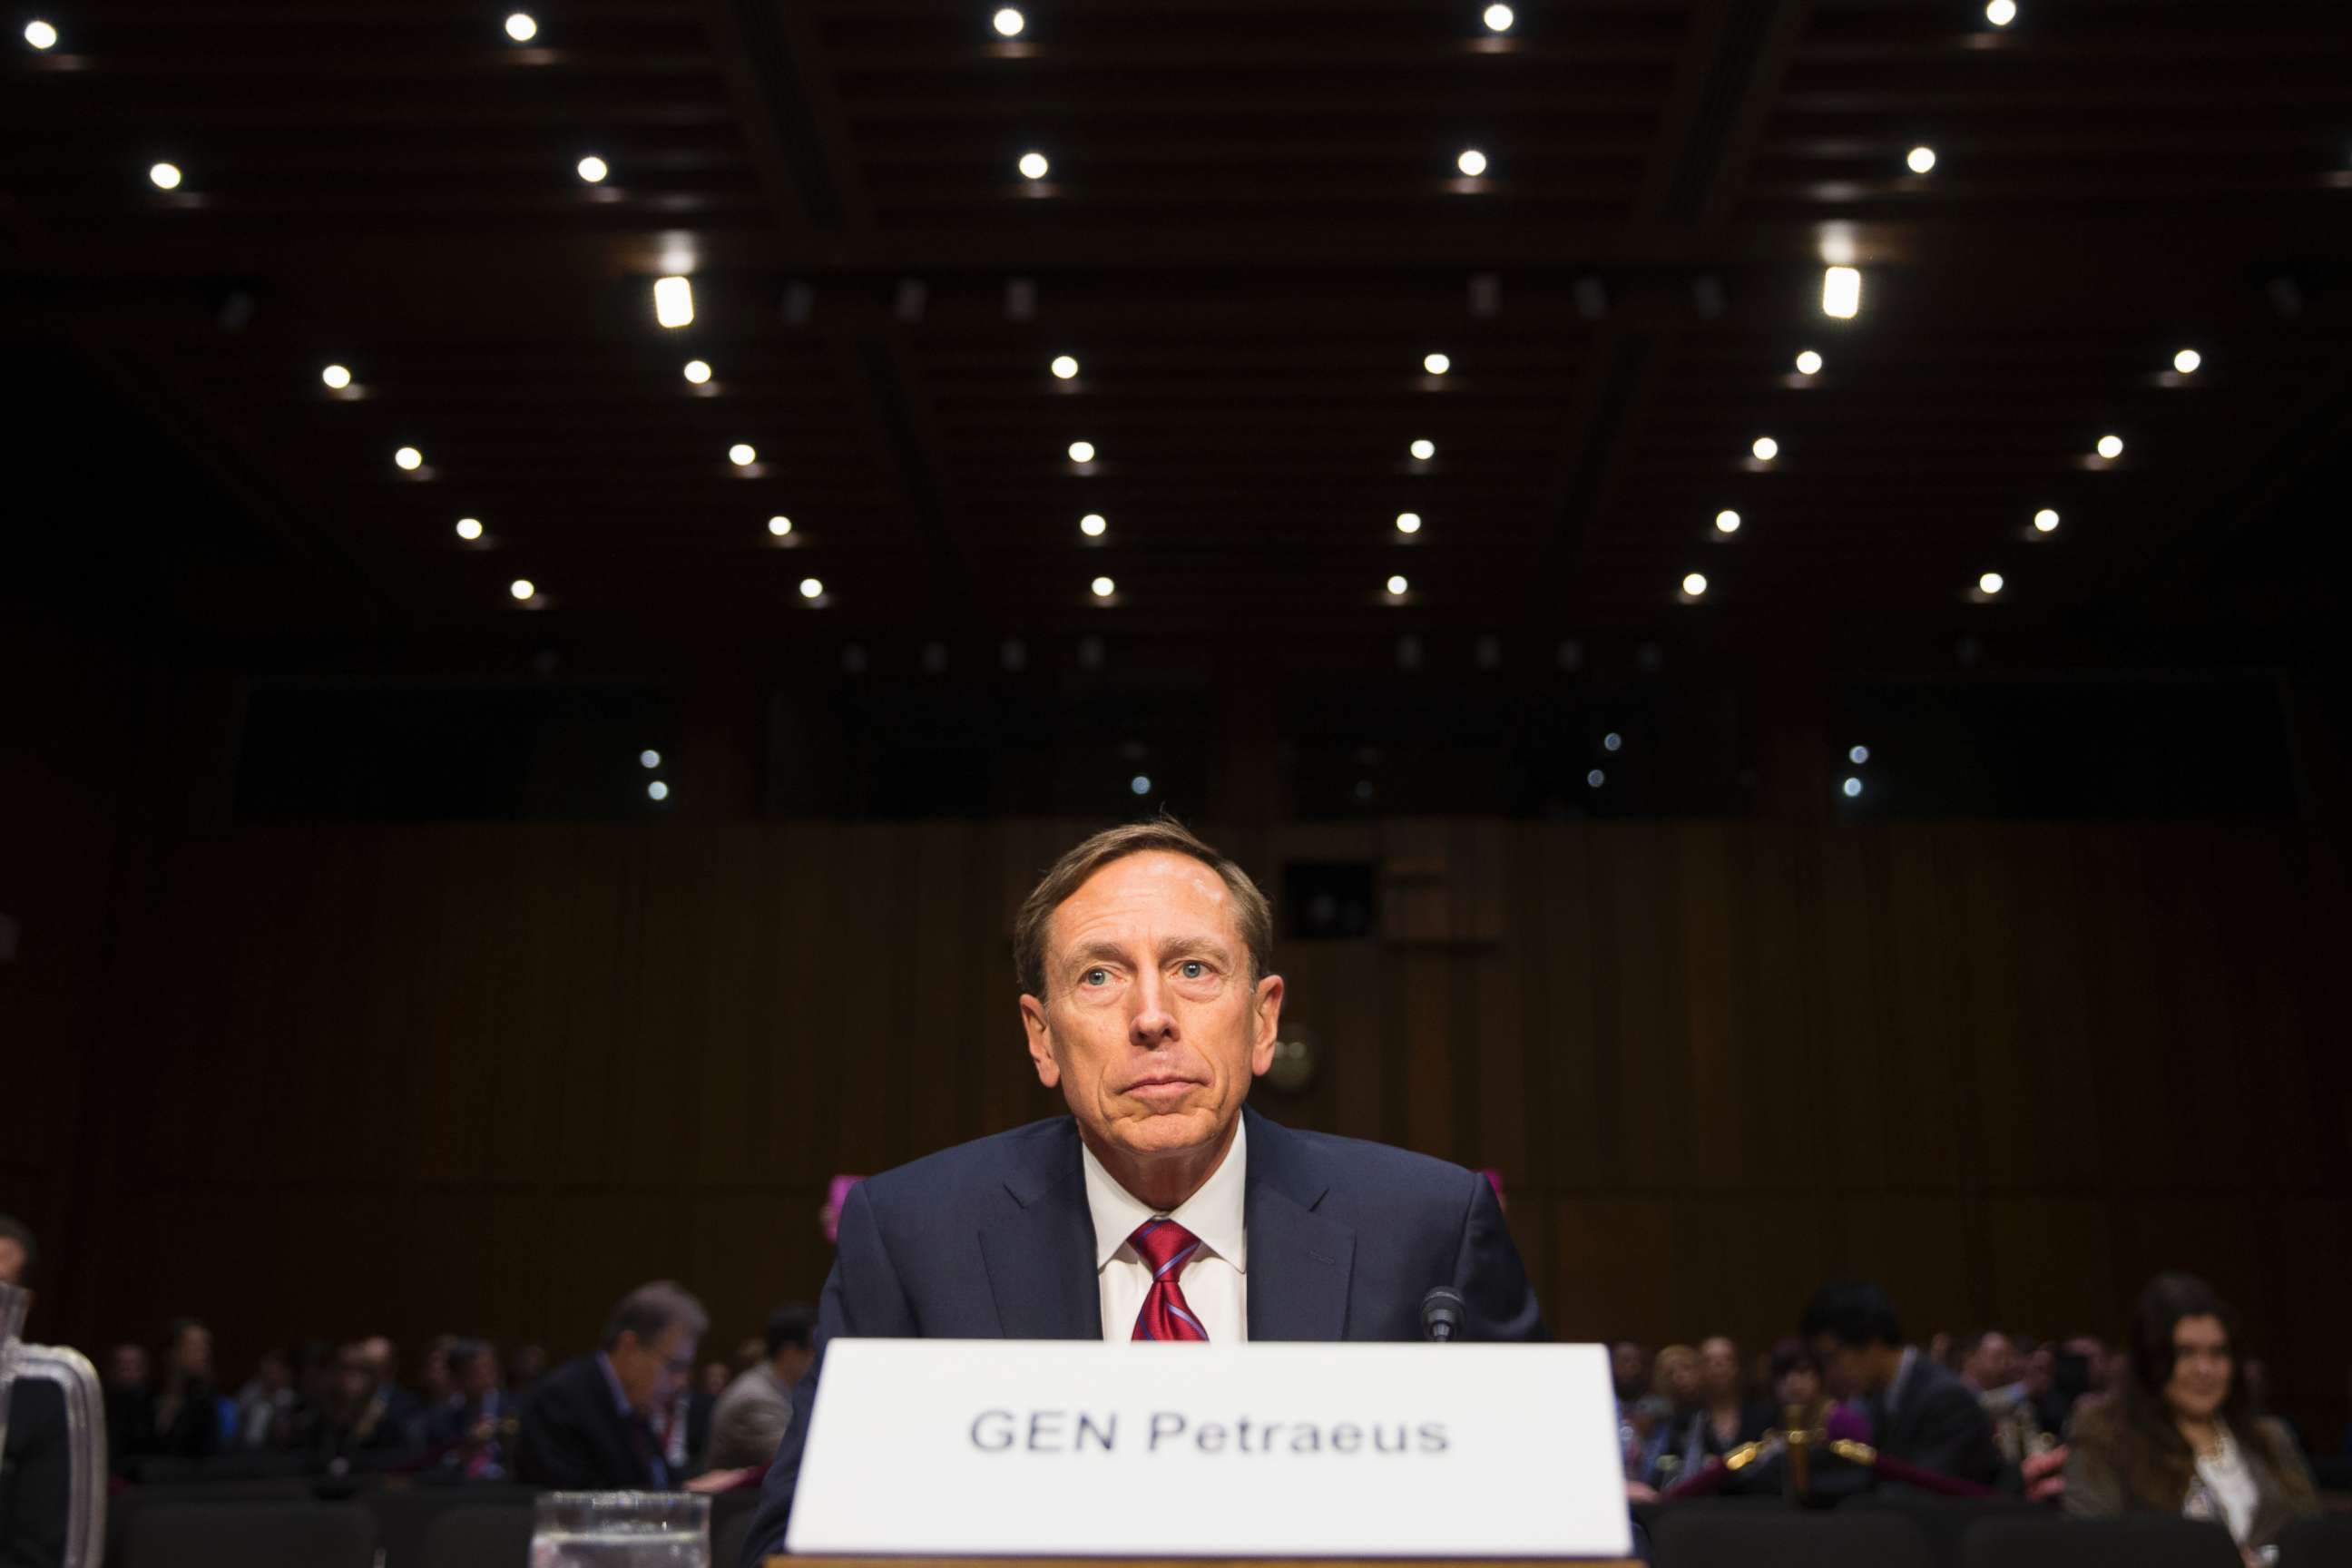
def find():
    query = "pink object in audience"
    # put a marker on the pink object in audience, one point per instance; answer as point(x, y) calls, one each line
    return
point(828, 1218)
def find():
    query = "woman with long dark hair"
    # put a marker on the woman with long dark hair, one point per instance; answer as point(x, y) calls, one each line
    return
point(2179, 1436)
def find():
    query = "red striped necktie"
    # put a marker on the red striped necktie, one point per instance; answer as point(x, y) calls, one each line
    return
point(1165, 1248)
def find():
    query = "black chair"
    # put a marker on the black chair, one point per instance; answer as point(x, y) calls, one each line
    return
point(250, 1535)
point(1944, 1521)
point(727, 1539)
point(2155, 1542)
point(493, 1537)
point(127, 1505)
point(1697, 1535)
point(404, 1516)
point(2322, 1542)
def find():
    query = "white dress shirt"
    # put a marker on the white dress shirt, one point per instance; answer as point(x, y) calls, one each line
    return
point(1214, 1279)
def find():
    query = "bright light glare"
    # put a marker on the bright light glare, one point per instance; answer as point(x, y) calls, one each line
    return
point(2000, 13)
point(2187, 360)
point(1424, 451)
point(1064, 367)
point(1853, 787)
point(1921, 160)
point(1613, 741)
point(1841, 292)
point(1694, 584)
point(522, 27)
point(1726, 522)
point(40, 35)
point(1140, 783)
point(1397, 586)
point(812, 589)
point(658, 790)
point(1082, 451)
point(1034, 165)
point(594, 169)
point(1809, 364)
point(336, 378)
point(165, 175)
point(1766, 448)
point(1093, 525)
point(2111, 446)
point(649, 759)
point(1471, 162)
point(1408, 522)
point(1436, 364)
point(523, 588)
point(1009, 22)
point(1103, 587)
point(696, 372)
point(779, 525)
point(1859, 755)
point(2045, 522)
point(469, 527)
point(1991, 583)
point(1498, 18)
point(673, 302)
point(409, 458)
point(1596, 778)
point(742, 454)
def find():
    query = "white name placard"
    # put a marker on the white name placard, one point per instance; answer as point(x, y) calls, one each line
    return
point(1018, 1446)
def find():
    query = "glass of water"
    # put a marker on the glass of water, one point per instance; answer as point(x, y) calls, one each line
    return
point(620, 1529)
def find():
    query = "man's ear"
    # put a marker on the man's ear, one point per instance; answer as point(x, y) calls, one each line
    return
point(1041, 1041)
point(1266, 1024)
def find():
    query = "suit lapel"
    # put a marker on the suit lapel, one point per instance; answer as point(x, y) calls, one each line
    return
point(1299, 1261)
point(1039, 1250)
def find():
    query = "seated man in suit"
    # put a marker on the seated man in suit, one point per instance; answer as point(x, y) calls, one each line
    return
point(756, 1410)
point(1918, 1413)
point(587, 1427)
point(1158, 1208)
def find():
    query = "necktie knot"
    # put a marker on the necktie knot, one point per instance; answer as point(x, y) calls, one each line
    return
point(1164, 1246)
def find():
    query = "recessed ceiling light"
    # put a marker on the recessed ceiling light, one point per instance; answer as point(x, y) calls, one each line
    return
point(409, 458)
point(657, 790)
point(1596, 778)
point(1103, 587)
point(522, 27)
point(469, 527)
point(1853, 788)
point(594, 169)
point(1397, 586)
point(1082, 451)
point(1140, 783)
point(812, 589)
point(1436, 364)
point(2045, 522)
point(1613, 741)
point(2111, 446)
point(742, 454)
point(648, 759)
point(1424, 451)
point(1766, 448)
point(166, 176)
point(337, 377)
point(779, 525)
point(522, 589)
point(1921, 160)
point(1408, 522)
point(1034, 165)
point(1841, 292)
point(1726, 522)
point(1064, 367)
point(1858, 755)
point(1009, 22)
point(2000, 13)
point(1498, 18)
point(2187, 360)
point(674, 301)
point(40, 35)
point(1471, 162)
point(1809, 363)
point(1093, 525)
point(698, 371)
point(1991, 583)
point(1695, 583)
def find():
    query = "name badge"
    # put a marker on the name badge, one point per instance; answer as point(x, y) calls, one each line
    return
point(1021, 1446)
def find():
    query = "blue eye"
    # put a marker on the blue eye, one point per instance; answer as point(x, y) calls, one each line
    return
point(1193, 969)
point(1092, 974)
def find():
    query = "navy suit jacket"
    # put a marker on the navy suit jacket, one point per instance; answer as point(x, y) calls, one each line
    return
point(993, 1239)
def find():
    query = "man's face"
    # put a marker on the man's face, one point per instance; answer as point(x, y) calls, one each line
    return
point(1845, 1369)
point(1631, 1368)
point(191, 1353)
point(126, 1367)
point(1993, 1363)
point(1149, 1025)
point(652, 1373)
point(12, 1261)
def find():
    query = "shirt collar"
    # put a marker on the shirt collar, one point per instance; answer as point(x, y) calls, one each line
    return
point(612, 1381)
point(1214, 1213)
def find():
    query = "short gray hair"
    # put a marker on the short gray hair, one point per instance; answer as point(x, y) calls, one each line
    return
point(649, 1311)
point(1253, 916)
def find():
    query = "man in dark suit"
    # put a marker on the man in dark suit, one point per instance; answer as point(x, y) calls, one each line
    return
point(1158, 1208)
point(36, 1486)
point(1920, 1414)
point(588, 1424)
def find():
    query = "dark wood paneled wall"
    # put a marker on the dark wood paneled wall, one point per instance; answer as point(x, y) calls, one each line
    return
point(485, 1078)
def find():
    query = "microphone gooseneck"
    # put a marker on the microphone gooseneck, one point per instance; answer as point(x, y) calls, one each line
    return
point(1442, 1314)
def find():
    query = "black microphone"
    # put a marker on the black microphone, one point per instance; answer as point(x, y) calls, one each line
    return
point(1441, 1312)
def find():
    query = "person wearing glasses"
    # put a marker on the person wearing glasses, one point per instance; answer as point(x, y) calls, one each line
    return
point(589, 1424)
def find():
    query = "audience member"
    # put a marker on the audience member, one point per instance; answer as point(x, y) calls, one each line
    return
point(749, 1353)
point(358, 1420)
point(1920, 1414)
point(1798, 1398)
point(1990, 1366)
point(1674, 1401)
point(2181, 1434)
point(524, 1369)
point(180, 1416)
point(1629, 1367)
point(1717, 1417)
point(266, 1407)
point(35, 1485)
point(716, 1376)
point(402, 1412)
point(473, 1431)
point(588, 1424)
point(756, 1410)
